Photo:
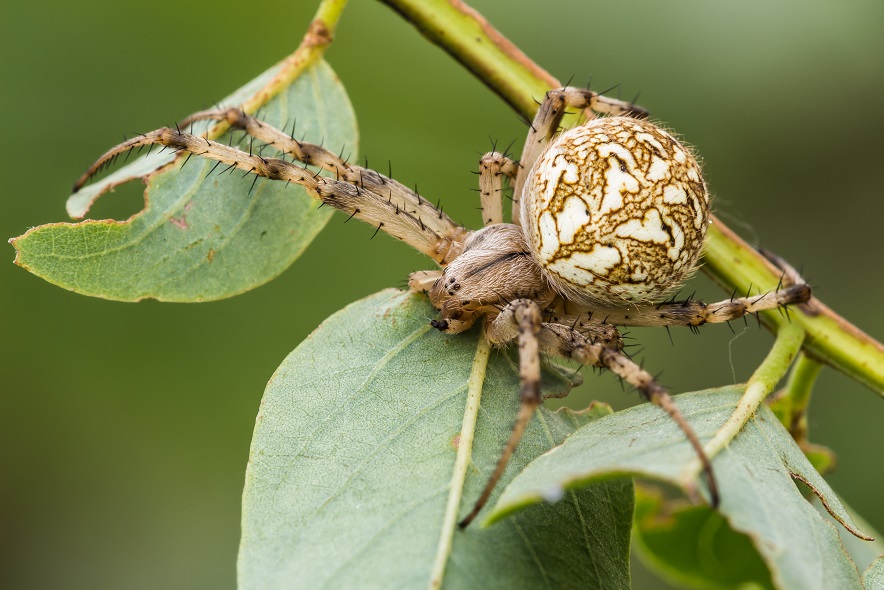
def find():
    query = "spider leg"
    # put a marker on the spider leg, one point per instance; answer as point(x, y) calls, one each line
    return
point(549, 117)
point(593, 330)
point(314, 155)
point(564, 341)
point(696, 313)
point(791, 291)
point(373, 199)
point(492, 168)
point(521, 321)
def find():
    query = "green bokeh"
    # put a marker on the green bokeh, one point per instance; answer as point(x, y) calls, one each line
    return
point(125, 427)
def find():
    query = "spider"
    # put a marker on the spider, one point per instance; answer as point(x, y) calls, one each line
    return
point(609, 218)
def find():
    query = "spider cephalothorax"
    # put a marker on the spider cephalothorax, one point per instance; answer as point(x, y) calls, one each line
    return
point(495, 266)
point(608, 218)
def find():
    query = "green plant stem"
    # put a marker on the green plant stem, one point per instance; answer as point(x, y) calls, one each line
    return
point(796, 396)
point(463, 460)
point(774, 367)
point(801, 381)
point(471, 40)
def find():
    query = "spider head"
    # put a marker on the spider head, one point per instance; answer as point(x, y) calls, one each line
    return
point(494, 268)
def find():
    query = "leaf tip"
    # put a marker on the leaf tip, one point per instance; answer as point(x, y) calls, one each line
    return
point(834, 507)
point(79, 203)
point(14, 242)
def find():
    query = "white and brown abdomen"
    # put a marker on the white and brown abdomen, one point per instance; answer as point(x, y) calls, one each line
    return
point(615, 210)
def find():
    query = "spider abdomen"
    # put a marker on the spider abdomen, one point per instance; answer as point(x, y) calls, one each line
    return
point(615, 210)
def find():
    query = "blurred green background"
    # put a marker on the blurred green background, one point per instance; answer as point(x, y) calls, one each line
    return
point(125, 428)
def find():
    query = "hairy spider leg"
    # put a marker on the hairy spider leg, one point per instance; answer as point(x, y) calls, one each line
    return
point(695, 313)
point(492, 168)
point(521, 321)
point(358, 192)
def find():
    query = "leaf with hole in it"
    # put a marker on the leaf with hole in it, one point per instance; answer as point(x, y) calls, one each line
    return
point(201, 236)
point(756, 475)
point(353, 455)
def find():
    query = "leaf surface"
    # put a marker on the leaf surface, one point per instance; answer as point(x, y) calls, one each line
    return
point(199, 237)
point(873, 578)
point(756, 475)
point(352, 459)
point(694, 545)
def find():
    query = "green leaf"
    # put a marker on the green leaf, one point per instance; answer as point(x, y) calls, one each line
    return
point(873, 578)
point(755, 474)
point(198, 238)
point(694, 545)
point(862, 551)
point(352, 460)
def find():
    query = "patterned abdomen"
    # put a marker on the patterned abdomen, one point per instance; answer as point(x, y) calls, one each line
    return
point(615, 210)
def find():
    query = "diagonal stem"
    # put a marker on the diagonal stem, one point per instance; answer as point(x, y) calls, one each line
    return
point(462, 462)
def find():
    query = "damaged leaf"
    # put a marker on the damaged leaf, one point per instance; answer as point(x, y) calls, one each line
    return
point(202, 235)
